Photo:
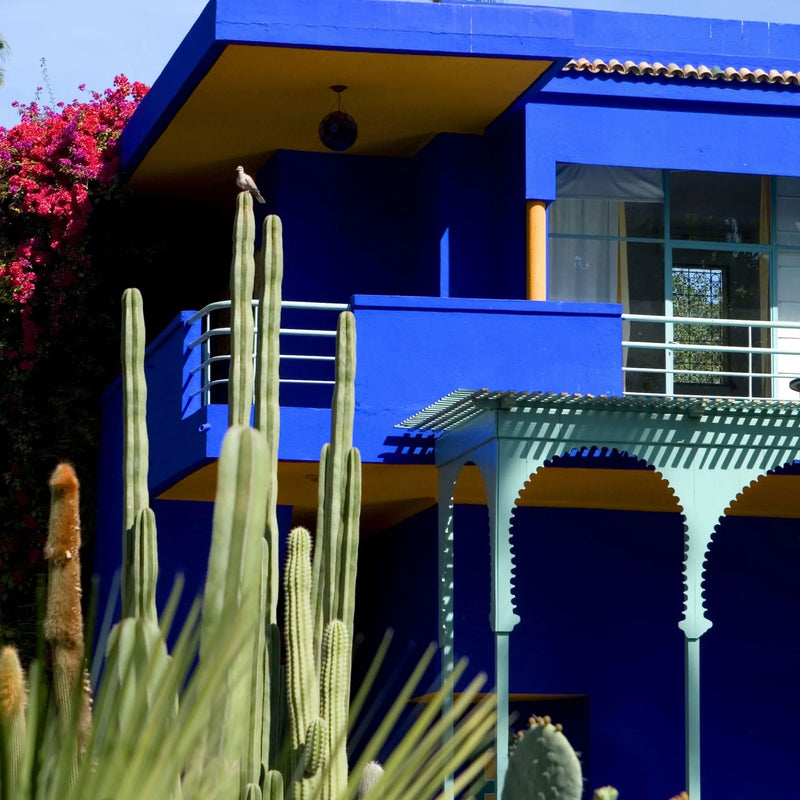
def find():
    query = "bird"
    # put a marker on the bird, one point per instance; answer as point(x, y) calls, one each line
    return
point(246, 183)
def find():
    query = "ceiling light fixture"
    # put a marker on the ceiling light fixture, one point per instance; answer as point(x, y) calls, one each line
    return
point(338, 130)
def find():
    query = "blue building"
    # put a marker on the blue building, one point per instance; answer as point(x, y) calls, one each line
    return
point(555, 206)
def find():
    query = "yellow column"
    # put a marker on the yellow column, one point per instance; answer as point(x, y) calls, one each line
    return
point(536, 222)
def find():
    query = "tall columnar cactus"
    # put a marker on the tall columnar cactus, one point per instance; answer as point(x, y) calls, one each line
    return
point(335, 556)
point(135, 451)
point(137, 657)
point(315, 738)
point(543, 765)
point(63, 624)
point(233, 589)
point(267, 415)
point(13, 727)
point(269, 275)
point(240, 385)
point(334, 701)
point(302, 681)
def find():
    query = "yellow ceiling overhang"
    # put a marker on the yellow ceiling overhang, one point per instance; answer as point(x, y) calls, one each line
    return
point(255, 100)
point(394, 492)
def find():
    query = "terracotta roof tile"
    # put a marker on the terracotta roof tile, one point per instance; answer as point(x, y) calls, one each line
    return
point(702, 72)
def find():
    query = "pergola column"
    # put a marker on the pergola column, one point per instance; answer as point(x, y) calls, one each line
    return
point(707, 451)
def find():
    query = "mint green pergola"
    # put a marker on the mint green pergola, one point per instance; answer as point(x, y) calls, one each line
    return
point(707, 450)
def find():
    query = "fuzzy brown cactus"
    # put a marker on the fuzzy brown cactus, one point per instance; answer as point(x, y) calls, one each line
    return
point(63, 625)
point(13, 702)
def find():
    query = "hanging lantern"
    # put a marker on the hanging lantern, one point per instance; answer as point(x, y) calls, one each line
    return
point(338, 130)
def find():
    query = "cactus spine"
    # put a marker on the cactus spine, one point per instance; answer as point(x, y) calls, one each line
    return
point(63, 624)
point(370, 776)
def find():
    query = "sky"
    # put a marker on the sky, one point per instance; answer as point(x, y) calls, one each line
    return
point(89, 41)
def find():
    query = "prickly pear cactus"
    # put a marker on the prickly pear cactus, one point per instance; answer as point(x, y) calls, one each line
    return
point(543, 765)
point(605, 793)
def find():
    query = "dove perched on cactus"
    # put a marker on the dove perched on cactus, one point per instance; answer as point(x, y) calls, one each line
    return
point(247, 184)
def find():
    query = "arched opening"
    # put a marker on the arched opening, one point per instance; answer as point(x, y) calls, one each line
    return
point(751, 655)
point(598, 541)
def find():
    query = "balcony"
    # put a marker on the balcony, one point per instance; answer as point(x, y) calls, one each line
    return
point(410, 352)
point(710, 358)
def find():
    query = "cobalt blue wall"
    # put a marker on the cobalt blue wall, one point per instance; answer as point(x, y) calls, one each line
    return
point(448, 222)
point(599, 594)
point(600, 597)
point(413, 351)
point(690, 137)
point(347, 224)
point(469, 203)
point(750, 659)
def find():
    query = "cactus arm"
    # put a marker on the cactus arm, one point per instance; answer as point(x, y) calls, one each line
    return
point(267, 394)
point(135, 446)
point(316, 747)
point(335, 682)
point(144, 565)
point(318, 591)
point(342, 412)
point(234, 578)
point(349, 541)
point(259, 682)
point(273, 785)
point(274, 699)
point(301, 678)
point(240, 492)
point(240, 384)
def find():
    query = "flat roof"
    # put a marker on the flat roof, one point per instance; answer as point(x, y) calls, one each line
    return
point(253, 77)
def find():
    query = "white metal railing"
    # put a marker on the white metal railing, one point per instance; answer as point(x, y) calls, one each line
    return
point(213, 331)
point(760, 365)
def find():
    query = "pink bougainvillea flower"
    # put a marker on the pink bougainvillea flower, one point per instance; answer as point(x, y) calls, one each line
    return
point(47, 163)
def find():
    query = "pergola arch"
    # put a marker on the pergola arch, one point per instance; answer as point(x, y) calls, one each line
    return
point(706, 451)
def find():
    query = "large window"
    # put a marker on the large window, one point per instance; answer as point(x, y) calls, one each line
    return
point(671, 244)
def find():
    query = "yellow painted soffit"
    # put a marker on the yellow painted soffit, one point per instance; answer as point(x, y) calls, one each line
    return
point(257, 99)
point(393, 492)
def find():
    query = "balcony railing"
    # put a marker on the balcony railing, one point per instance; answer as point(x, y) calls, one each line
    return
point(306, 351)
point(710, 357)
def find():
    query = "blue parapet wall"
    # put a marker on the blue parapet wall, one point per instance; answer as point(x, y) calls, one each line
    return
point(698, 138)
point(411, 351)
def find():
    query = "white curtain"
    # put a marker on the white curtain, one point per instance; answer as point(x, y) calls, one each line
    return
point(584, 270)
point(591, 202)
